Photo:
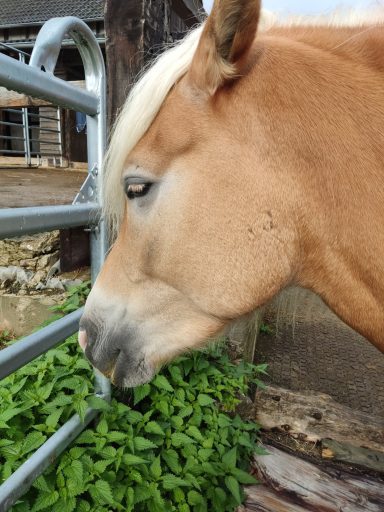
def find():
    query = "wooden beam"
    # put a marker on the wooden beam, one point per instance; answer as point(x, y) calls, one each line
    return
point(191, 11)
point(12, 99)
point(136, 31)
point(292, 484)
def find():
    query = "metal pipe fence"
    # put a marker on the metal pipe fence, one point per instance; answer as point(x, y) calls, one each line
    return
point(32, 145)
point(32, 80)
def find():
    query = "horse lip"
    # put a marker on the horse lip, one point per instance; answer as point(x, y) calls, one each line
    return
point(132, 374)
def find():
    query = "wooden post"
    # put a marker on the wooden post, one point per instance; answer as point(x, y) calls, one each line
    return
point(136, 30)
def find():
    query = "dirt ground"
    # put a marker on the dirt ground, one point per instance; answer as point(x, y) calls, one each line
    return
point(310, 349)
point(38, 187)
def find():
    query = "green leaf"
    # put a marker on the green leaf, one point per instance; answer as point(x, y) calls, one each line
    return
point(180, 439)
point(98, 403)
point(83, 506)
point(195, 498)
point(234, 488)
point(172, 481)
point(230, 458)
point(141, 444)
point(204, 400)
point(171, 458)
point(33, 441)
point(187, 411)
point(243, 477)
point(133, 417)
point(45, 501)
point(101, 465)
point(101, 492)
point(154, 428)
point(41, 484)
point(155, 468)
point(142, 493)
point(162, 382)
point(102, 427)
point(114, 436)
point(132, 460)
point(81, 407)
point(53, 419)
point(195, 433)
point(141, 392)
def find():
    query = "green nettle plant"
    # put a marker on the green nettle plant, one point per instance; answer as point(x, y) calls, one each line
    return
point(175, 444)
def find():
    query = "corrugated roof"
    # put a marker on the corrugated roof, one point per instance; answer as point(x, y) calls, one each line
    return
point(28, 12)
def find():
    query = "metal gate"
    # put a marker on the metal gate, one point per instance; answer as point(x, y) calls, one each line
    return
point(37, 79)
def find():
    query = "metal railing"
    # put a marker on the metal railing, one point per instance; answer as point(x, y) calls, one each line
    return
point(32, 80)
point(25, 124)
point(33, 146)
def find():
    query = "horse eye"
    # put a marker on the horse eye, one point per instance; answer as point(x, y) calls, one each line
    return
point(135, 190)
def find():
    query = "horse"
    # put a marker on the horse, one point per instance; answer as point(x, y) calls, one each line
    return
point(247, 159)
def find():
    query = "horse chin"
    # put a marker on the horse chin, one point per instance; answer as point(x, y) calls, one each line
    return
point(129, 374)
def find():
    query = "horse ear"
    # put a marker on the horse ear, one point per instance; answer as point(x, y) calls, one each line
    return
point(227, 36)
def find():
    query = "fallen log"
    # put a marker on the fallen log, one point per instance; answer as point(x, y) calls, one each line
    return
point(316, 417)
point(291, 484)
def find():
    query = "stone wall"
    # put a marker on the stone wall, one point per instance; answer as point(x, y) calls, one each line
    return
point(30, 265)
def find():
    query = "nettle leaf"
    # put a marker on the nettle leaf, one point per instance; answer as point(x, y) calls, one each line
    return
point(133, 417)
point(141, 444)
point(102, 427)
point(53, 419)
point(41, 484)
point(142, 493)
point(87, 437)
point(186, 411)
point(101, 465)
point(98, 403)
point(195, 433)
point(180, 439)
point(172, 481)
point(155, 468)
point(154, 428)
point(66, 505)
point(101, 492)
point(45, 501)
point(162, 382)
point(195, 498)
point(132, 460)
point(75, 471)
point(108, 452)
point(230, 458)
point(141, 392)
point(204, 400)
point(33, 441)
point(171, 458)
point(115, 436)
point(243, 477)
point(81, 407)
point(83, 506)
point(233, 486)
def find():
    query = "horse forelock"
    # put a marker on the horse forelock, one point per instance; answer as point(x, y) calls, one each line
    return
point(150, 91)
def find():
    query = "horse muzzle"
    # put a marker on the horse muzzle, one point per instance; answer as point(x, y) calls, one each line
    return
point(112, 353)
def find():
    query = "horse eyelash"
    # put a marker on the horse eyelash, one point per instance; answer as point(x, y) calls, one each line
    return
point(137, 190)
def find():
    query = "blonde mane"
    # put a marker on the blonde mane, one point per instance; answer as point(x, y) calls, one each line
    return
point(148, 94)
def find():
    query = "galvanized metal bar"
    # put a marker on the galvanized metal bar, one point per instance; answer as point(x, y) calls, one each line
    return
point(22, 352)
point(45, 129)
point(10, 137)
point(45, 141)
point(17, 151)
point(29, 220)
point(45, 55)
point(20, 481)
point(7, 123)
point(42, 116)
point(20, 77)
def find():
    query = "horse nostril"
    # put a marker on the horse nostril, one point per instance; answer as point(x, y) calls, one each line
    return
point(83, 339)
